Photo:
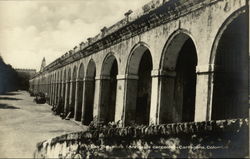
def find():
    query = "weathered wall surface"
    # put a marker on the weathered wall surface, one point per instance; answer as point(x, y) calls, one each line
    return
point(225, 138)
point(156, 28)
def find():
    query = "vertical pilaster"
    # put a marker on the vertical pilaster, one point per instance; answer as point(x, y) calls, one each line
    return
point(96, 110)
point(84, 100)
point(70, 95)
point(62, 93)
point(162, 91)
point(120, 100)
point(154, 114)
point(67, 83)
point(52, 92)
point(204, 92)
point(76, 98)
point(126, 99)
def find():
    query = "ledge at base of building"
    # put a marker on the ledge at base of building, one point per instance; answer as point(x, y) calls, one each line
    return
point(221, 138)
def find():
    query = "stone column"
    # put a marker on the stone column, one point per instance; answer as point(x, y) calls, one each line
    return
point(161, 107)
point(120, 100)
point(125, 99)
point(58, 91)
point(71, 94)
point(87, 83)
point(78, 83)
point(76, 98)
point(55, 93)
point(52, 92)
point(204, 92)
point(96, 111)
point(67, 83)
point(49, 91)
point(62, 94)
point(54, 96)
point(155, 94)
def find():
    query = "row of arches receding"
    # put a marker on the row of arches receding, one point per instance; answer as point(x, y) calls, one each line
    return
point(228, 81)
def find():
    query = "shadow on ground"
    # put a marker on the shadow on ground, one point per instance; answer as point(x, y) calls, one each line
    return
point(9, 98)
point(6, 106)
point(10, 93)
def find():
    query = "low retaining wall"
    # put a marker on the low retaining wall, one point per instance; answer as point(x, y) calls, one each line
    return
point(221, 138)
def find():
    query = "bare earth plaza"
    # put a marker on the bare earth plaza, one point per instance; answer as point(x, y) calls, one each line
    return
point(169, 80)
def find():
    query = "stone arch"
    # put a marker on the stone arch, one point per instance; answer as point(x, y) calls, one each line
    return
point(79, 92)
point(80, 72)
point(108, 85)
point(138, 85)
point(178, 79)
point(134, 58)
point(228, 84)
point(88, 103)
point(91, 69)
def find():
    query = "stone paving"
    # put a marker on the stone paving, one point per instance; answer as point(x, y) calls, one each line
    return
point(24, 123)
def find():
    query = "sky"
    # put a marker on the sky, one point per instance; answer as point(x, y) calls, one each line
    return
point(31, 30)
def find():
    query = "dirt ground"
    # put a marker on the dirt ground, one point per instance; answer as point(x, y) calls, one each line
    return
point(24, 123)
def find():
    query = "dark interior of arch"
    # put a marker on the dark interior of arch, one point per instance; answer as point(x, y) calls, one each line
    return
point(108, 90)
point(89, 94)
point(185, 83)
point(230, 93)
point(144, 89)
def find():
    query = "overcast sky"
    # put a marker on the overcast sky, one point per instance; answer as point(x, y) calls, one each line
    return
point(31, 30)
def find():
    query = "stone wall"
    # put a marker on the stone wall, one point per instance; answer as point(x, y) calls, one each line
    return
point(222, 138)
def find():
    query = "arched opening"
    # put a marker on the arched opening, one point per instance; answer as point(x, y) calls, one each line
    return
point(89, 93)
point(79, 93)
point(178, 85)
point(73, 92)
point(230, 91)
point(138, 95)
point(108, 89)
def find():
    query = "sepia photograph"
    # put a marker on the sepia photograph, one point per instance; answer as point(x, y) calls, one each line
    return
point(124, 79)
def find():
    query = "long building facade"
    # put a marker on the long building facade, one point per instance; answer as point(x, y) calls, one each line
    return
point(170, 61)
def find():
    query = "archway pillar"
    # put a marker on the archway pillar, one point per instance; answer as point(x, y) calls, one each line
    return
point(56, 91)
point(99, 110)
point(50, 92)
point(59, 91)
point(71, 98)
point(162, 99)
point(53, 92)
point(79, 82)
point(66, 97)
point(204, 92)
point(86, 82)
point(124, 111)
point(62, 89)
